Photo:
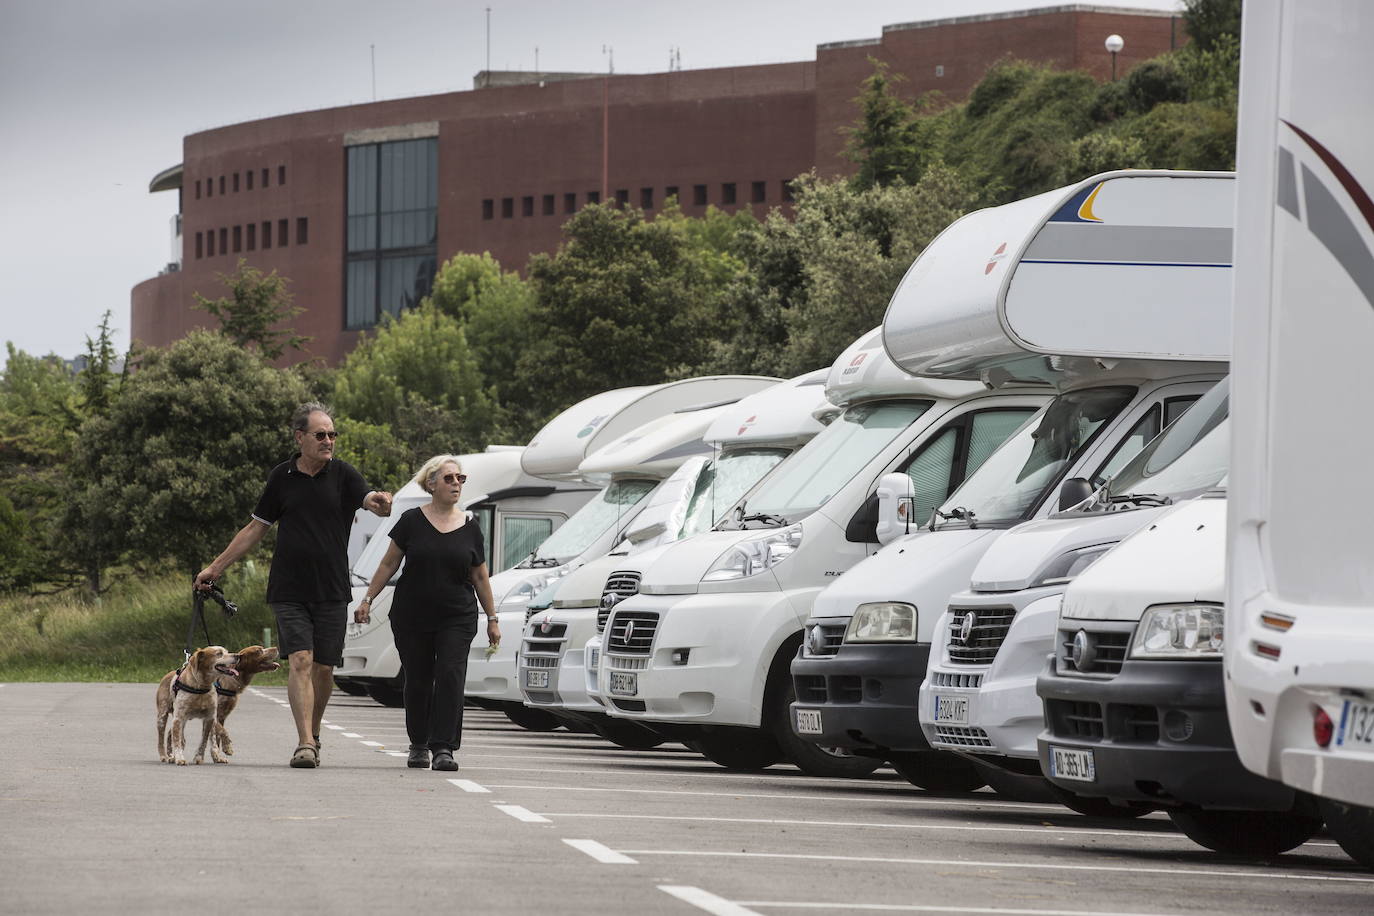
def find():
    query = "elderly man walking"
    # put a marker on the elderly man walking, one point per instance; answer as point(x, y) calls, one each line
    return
point(312, 497)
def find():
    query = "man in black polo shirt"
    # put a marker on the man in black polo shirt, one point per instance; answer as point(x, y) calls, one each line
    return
point(313, 497)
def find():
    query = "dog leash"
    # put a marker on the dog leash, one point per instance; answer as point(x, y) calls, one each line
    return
point(198, 613)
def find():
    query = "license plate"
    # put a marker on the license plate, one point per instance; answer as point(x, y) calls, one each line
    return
point(808, 721)
point(1357, 725)
point(951, 710)
point(1075, 765)
point(624, 684)
point(536, 679)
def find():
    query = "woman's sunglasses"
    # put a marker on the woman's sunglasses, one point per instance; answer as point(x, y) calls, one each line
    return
point(455, 478)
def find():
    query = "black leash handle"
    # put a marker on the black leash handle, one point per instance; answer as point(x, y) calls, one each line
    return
point(198, 613)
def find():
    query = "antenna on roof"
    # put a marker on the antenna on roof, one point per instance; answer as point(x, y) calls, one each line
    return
point(488, 41)
point(373, 50)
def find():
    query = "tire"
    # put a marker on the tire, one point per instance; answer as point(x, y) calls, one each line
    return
point(1246, 833)
point(351, 686)
point(624, 733)
point(1352, 826)
point(535, 720)
point(739, 749)
point(1098, 807)
point(387, 694)
point(938, 771)
point(1016, 787)
point(811, 758)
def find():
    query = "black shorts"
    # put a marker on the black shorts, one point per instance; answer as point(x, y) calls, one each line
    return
point(318, 626)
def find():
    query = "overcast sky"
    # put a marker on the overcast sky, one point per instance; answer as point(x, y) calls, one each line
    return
point(96, 96)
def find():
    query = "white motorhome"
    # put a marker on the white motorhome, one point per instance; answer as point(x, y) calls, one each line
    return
point(1115, 291)
point(749, 439)
point(627, 441)
point(516, 512)
point(701, 651)
point(990, 645)
point(1300, 581)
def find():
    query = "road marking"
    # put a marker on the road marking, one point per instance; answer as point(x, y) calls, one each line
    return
point(351, 735)
point(467, 785)
point(372, 744)
point(523, 814)
point(333, 728)
point(960, 863)
point(1046, 829)
point(397, 754)
point(919, 908)
point(705, 900)
point(600, 853)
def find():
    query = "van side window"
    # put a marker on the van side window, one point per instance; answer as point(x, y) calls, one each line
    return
point(1146, 429)
point(930, 475)
point(519, 538)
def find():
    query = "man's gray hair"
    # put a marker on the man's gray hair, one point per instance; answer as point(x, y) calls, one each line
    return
point(301, 418)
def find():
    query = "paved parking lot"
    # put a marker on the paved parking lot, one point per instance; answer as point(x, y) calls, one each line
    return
point(557, 823)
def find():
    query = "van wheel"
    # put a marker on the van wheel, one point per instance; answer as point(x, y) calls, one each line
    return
point(389, 691)
point(1352, 826)
point(535, 720)
point(739, 748)
point(1098, 807)
point(351, 686)
point(811, 758)
point(626, 734)
point(937, 771)
point(1246, 833)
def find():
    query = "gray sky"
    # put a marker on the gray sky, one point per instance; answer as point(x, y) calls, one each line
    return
point(96, 96)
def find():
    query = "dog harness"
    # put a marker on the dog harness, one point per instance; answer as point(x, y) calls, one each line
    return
point(222, 691)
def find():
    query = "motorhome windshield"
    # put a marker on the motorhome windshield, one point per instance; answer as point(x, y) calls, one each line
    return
point(365, 567)
point(723, 481)
point(817, 472)
point(1185, 460)
point(590, 522)
point(1011, 483)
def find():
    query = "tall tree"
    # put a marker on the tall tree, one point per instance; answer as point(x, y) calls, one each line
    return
point(253, 312)
point(97, 380)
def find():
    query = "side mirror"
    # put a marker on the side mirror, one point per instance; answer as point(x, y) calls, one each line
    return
point(1073, 492)
point(895, 507)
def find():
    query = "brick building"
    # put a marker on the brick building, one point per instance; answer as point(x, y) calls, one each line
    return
point(357, 205)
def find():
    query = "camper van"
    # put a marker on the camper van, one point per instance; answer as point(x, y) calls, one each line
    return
point(748, 440)
point(1115, 292)
point(702, 650)
point(626, 441)
point(991, 643)
point(516, 513)
point(1300, 581)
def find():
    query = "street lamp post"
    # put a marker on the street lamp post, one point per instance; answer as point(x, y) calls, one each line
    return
point(1114, 44)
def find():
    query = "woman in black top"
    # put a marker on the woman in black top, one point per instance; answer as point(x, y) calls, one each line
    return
point(434, 609)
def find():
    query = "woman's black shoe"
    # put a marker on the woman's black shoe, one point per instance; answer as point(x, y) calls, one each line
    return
point(418, 759)
point(443, 760)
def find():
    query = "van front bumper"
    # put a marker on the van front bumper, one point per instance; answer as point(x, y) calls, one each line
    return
point(865, 695)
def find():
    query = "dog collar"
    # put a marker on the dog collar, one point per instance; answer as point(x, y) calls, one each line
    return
point(178, 685)
point(224, 691)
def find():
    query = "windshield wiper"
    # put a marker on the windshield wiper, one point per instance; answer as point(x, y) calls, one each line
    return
point(959, 513)
point(777, 521)
point(358, 578)
point(1142, 499)
point(542, 562)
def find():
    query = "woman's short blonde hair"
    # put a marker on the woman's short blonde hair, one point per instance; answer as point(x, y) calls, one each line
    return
point(428, 475)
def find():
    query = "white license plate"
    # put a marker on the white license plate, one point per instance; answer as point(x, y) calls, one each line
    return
point(1357, 725)
point(951, 710)
point(536, 679)
point(808, 721)
point(1075, 765)
point(624, 684)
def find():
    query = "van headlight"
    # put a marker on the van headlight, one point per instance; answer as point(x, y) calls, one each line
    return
point(749, 558)
point(526, 591)
point(882, 621)
point(1179, 631)
point(1064, 568)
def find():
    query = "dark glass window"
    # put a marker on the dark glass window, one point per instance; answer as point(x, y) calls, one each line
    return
point(236, 182)
point(507, 207)
point(210, 244)
point(267, 234)
point(393, 194)
point(248, 179)
point(527, 205)
point(699, 195)
point(622, 197)
point(727, 192)
point(786, 184)
point(488, 208)
point(759, 192)
point(302, 230)
point(252, 233)
point(548, 205)
point(570, 202)
point(264, 177)
point(200, 246)
point(209, 187)
point(281, 233)
point(221, 185)
point(593, 197)
point(281, 174)
point(671, 191)
point(646, 198)
point(224, 241)
point(197, 189)
point(238, 239)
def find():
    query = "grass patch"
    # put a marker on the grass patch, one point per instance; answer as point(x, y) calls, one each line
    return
point(134, 633)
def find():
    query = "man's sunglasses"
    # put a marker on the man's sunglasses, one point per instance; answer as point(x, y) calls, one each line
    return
point(321, 435)
point(455, 478)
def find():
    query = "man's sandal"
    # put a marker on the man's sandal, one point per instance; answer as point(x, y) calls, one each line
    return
point(307, 756)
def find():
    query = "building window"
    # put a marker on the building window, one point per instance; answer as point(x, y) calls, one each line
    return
point(197, 189)
point(221, 186)
point(786, 190)
point(252, 233)
point(727, 192)
point(527, 205)
point(236, 182)
point(699, 195)
point(238, 239)
point(758, 192)
point(302, 230)
point(392, 239)
point(281, 233)
point(593, 197)
point(281, 174)
point(210, 244)
point(488, 208)
point(622, 197)
point(548, 205)
point(224, 241)
point(939, 69)
point(646, 198)
point(670, 191)
point(200, 247)
point(209, 187)
point(248, 179)
point(570, 202)
point(264, 177)
point(267, 234)
point(507, 207)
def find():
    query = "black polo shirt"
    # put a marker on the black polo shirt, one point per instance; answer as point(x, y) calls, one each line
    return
point(314, 516)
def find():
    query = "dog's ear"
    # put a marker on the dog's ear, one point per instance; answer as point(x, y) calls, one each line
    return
point(271, 652)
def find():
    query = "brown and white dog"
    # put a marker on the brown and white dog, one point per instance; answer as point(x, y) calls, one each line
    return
point(190, 694)
point(252, 660)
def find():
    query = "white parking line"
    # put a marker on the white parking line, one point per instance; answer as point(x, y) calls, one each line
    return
point(467, 785)
point(333, 728)
point(372, 744)
point(351, 735)
point(523, 814)
point(919, 908)
point(600, 853)
point(705, 900)
point(960, 863)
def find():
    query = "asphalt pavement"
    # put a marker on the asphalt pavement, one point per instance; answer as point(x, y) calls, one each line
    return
point(553, 823)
